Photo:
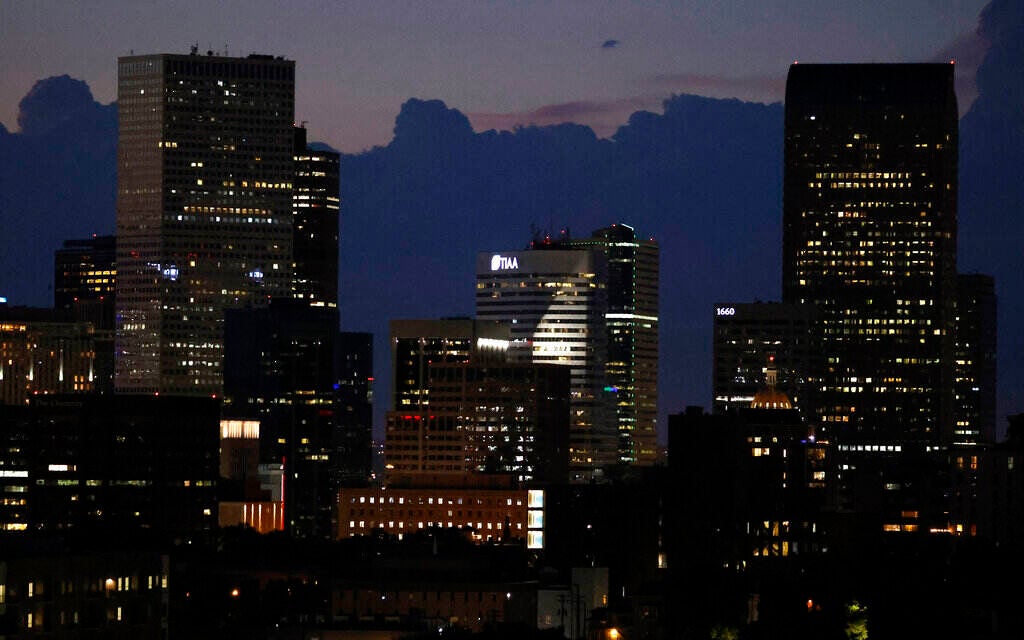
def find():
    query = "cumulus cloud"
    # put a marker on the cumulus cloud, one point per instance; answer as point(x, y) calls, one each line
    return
point(765, 89)
point(968, 51)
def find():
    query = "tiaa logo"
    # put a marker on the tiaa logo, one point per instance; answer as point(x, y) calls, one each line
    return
point(500, 262)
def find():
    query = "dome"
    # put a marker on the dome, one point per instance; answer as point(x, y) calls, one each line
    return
point(770, 398)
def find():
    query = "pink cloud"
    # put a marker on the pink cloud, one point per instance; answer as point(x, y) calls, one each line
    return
point(750, 88)
point(604, 117)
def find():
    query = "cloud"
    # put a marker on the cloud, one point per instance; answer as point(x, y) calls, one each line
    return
point(609, 44)
point(765, 89)
point(603, 116)
point(968, 50)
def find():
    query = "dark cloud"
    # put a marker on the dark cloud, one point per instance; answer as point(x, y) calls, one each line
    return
point(967, 51)
point(991, 191)
point(609, 44)
point(52, 102)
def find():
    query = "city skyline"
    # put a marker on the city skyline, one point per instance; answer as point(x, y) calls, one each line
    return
point(503, 64)
point(688, 378)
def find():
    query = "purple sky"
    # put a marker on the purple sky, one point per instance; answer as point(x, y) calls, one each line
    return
point(502, 63)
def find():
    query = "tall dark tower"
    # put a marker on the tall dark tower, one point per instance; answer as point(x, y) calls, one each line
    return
point(869, 238)
point(975, 362)
point(315, 204)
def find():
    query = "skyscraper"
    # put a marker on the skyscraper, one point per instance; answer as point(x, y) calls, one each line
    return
point(869, 238)
point(556, 301)
point(204, 209)
point(315, 204)
point(974, 382)
point(84, 281)
point(632, 328)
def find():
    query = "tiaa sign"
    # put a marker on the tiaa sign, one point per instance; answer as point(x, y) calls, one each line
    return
point(501, 263)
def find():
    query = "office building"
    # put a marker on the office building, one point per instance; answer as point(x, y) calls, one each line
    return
point(869, 239)
point(749, 335)
point(510, 419)
point(354, 408)
point(134, 466)
point(315, 203)
point(632, 341)
point(556, 301)
point(418, 343)
point(84, 281)
point(44, 351)
point(204, 209)
point(84, 278)
point(280, 369)
point(974, 364)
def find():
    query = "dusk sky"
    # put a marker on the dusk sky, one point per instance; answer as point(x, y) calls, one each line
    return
point(501, 63)
point(705, 180)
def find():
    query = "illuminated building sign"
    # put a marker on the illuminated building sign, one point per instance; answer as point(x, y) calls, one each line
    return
point(503, 263)
point(725, 311)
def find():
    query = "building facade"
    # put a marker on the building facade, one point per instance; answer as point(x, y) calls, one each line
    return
point(315, 208)
point(746, 336)
point(204, 209)
point(974, 382)
point(869, 239)
point(556, 301)
point(632, 326)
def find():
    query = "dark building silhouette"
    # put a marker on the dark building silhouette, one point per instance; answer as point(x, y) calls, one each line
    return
point(204, 209)
point(99, 465)
point(974, 384)
point(315, 204)
point(281, 369)
point(869, 239)
point(84, 283)
point(354, 408)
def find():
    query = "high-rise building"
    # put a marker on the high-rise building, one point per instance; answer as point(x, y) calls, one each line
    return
point(204, 209)
point(84, 276)
point(974, 365)
point(418, 343)
point(749, 335)
point(280, 369)
point(869, 238)
point(315, 204)
point(84, 280)
point(632, 326)
point(555, 301)
point(354, 407)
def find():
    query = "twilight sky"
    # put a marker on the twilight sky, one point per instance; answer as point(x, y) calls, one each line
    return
point(501, 63)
